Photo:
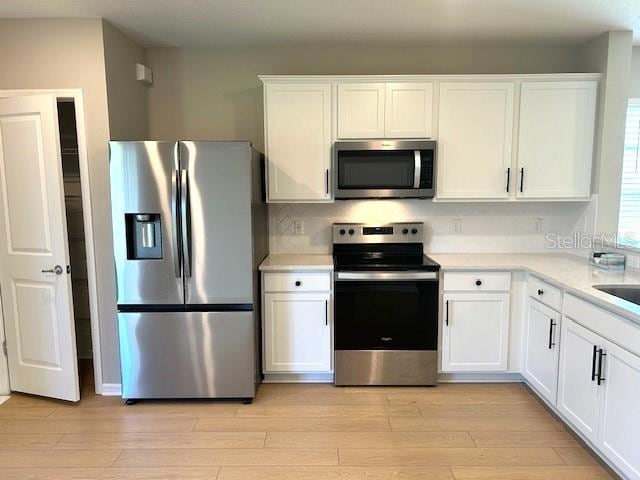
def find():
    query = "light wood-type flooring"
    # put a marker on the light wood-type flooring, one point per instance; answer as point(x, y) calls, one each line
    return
point(296, 432)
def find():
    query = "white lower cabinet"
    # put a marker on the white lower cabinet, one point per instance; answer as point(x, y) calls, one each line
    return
point(475, 334)
point(619, 435)
point(541, 348)
point(297, 332)
point(578, 392)
point(598, 393)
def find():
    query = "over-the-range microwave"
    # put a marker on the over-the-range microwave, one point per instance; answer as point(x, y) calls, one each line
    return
point(384, 169)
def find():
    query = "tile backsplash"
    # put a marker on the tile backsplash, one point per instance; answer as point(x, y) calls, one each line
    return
point(449, 227)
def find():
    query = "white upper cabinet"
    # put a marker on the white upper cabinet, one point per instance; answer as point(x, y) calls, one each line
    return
point(361, 110)
point(555, 139)
point(475, 133)
point(298, 141)
point(408, 110)
point(385, 110)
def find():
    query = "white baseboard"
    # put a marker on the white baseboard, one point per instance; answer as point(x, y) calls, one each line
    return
point(485, 377)
point(112, 389)
point(298, 378)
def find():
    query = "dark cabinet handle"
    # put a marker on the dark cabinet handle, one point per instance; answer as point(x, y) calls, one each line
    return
point(298, 283)
point(446, 318)
point(478, 282)
point(540, 292)
point(326, 313)
point(551, 325)
point(593, 363)
point(508, 178)
point(600, 356)
point(521, 179)
point(327, 180)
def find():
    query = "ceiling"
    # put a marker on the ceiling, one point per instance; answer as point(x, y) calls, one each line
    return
point(237, 23)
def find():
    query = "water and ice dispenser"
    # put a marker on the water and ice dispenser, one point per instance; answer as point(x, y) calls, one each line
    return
point(144, 236)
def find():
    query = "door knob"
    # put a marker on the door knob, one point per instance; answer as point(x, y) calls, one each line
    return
point(57, 270)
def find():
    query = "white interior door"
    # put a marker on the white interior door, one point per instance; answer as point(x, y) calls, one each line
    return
point(34, 251)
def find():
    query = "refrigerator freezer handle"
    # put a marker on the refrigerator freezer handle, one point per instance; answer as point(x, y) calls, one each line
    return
point(175, 224)
point(184, 214)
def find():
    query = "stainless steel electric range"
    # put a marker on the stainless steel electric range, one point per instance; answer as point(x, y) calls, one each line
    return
point(386, 305)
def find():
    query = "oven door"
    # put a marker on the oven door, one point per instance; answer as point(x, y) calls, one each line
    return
point(386, 310)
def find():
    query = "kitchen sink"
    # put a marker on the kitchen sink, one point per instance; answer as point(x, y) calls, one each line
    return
point(630, 293)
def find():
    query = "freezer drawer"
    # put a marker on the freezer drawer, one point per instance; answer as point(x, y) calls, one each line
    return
point(187, 354)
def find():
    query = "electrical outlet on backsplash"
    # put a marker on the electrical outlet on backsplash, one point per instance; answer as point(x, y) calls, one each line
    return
point(488, 227)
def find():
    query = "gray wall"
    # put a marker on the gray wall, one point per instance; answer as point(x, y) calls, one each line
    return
point(634, 84)
point(126, 97)
point(70, 53)
point(214, 94)
point(609, 54)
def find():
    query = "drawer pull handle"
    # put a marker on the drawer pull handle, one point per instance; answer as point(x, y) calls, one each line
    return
point(478, 282)
point(593, 363)
point(298, 283)
point(540, 292)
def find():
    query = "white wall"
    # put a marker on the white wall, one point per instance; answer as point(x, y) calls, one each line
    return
point(486, 227)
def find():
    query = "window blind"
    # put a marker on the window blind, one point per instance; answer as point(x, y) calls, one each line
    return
point(629, 219)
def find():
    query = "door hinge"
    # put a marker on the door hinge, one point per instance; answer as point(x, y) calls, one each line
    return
point(4, 347)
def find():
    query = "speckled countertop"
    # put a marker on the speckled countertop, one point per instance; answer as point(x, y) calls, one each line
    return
point(297, 261)
point(570, 272)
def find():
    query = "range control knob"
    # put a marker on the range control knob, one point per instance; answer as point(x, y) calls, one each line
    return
point(405, 231)
point(351, 231)
point(414, 230)
point(342, 231)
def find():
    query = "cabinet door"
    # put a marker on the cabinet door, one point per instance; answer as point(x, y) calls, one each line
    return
point(361, 110)
point(542, 345)
point(475, 332)
point(297, 332)
point(578, 390)
point(408, 110)
point(475, 129)
point(555, 139)
point(298, 141)
point(619, 436)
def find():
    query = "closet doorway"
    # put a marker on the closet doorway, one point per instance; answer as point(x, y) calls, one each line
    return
point(47, 280)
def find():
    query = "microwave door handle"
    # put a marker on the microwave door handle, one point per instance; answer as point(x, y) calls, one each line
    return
point(417, 169)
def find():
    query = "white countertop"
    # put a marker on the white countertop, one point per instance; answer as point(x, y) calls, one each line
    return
point(297, 261)
point(570, 272)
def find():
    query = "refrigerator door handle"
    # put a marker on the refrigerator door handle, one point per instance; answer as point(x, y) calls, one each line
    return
point(175, 224)
point(184, 214)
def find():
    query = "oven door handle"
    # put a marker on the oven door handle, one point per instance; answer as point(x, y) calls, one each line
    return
point(385, 276)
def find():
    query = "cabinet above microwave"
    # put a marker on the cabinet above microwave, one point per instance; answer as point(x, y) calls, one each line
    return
point(384, 169)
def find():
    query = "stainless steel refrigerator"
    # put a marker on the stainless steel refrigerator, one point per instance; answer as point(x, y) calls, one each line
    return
point(190, 228)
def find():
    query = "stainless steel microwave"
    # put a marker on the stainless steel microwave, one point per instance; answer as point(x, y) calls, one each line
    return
point(384, 169)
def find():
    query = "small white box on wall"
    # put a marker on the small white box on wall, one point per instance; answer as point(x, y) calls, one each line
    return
point(144, 74)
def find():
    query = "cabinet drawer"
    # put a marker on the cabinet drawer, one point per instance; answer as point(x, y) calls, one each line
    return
point(477, 281)
point(297, 282)
point(545, 293)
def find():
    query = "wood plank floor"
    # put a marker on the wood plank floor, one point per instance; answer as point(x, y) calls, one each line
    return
point(296, 432)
